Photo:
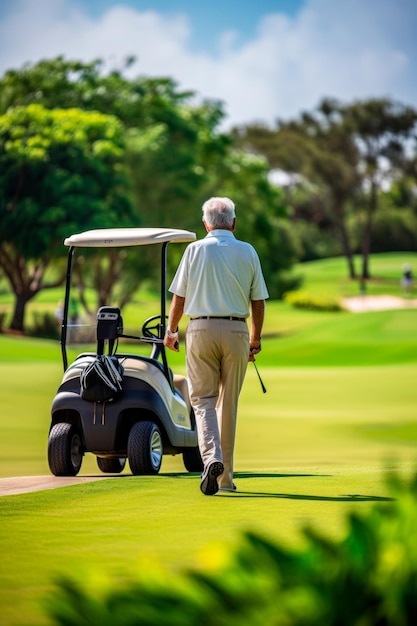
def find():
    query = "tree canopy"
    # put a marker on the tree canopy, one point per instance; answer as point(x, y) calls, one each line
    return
point(61, 171)
point(342, 154)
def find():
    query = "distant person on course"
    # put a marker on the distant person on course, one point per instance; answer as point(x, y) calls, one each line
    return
point(407, 278)
point(218, 283)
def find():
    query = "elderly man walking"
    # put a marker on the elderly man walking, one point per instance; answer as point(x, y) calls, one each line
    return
point(218, 284)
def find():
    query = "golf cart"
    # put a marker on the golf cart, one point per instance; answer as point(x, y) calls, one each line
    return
point(120, 405)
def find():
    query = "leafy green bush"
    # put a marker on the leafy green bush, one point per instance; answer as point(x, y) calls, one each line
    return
point(303, 300)
point(367, 578)
point(283, 282)
point(44, 325)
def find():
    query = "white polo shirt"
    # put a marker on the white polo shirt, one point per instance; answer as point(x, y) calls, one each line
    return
point(219, 275)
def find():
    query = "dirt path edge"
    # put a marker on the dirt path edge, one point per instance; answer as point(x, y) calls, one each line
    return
point(26, 484)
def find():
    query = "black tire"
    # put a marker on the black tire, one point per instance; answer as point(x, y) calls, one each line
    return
point(145, 448)
point(111, 465)
point(192, 460)
point(65, 450)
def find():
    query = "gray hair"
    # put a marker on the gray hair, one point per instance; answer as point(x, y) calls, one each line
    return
point(219, 212)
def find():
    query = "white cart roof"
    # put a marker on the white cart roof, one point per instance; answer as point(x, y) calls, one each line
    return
point(114, 237)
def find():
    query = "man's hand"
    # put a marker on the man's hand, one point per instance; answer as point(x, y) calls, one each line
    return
point(171, 341)
point(254, 348)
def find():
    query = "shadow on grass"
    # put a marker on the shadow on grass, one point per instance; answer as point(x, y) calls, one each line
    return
point(275, 475)
point(242, 493)
point(354, 497)
point(298, 496)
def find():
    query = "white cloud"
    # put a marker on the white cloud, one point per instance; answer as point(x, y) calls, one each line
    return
point(347, 50)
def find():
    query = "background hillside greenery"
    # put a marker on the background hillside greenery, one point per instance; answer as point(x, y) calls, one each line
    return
point(322, 277)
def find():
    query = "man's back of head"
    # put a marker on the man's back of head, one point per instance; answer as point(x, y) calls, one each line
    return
point(219, 213)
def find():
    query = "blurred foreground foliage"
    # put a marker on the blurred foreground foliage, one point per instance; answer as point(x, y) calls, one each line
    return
point(369, 577)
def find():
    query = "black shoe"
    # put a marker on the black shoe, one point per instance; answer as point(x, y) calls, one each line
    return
point(209, 485)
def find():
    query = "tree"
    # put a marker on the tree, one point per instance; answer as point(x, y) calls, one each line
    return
point(262, 215)
point(60, 172)
point(172, 160)
point(171, 140)
point(381, 130)
point(342, 153)
point(170, 143)
point(324, 158)
point(176, 158)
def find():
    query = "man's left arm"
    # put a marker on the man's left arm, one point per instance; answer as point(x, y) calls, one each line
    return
point(257, 320)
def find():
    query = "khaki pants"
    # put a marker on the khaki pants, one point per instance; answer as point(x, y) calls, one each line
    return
point(217, 357)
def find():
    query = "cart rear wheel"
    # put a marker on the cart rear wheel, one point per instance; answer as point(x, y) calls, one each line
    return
point(145, 448)
point(111, 465)
point(192, 460)
point(65, 450)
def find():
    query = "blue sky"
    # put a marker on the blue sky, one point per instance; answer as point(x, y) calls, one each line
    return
point(207, 18)
point(265, 59)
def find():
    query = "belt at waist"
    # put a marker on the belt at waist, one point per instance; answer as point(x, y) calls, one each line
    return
point(220, 317)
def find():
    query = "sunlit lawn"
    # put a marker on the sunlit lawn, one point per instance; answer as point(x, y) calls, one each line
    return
point(317, 444)
point(329, 277)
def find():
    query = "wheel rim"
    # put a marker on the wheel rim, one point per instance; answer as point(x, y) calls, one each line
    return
point(156, 449)
point(76, 455)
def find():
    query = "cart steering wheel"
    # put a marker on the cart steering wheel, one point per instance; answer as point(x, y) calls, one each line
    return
point(151, 326)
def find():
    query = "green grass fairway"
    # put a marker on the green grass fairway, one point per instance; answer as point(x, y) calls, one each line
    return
point(329, 277)
point(319, 443)
point(339, 416)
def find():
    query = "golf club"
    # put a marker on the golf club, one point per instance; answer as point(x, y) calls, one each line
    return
point(260, 379)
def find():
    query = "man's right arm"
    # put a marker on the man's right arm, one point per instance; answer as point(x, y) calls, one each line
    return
point(175, 314)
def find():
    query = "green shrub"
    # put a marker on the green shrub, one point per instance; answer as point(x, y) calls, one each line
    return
point(283, 282)
point(303, 300)
point(44, 325)
point(367, 578)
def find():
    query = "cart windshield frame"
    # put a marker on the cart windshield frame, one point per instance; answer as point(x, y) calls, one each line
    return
point(121, 237)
